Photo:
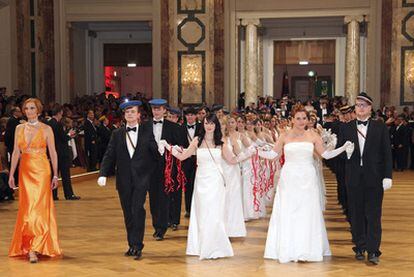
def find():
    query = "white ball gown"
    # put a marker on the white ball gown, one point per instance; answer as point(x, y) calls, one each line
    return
point(297, 229)
point(234, 218)
point(207, 237)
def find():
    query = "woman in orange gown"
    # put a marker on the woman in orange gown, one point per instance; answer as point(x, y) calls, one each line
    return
point(36, 231)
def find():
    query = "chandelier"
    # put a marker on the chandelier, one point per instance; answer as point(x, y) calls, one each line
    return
point(191, 73)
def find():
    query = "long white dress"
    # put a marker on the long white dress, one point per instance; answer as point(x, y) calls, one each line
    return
point(207, 237)
point(297, 229)
point(247, 189)
point(234, 219)
point(319, 172)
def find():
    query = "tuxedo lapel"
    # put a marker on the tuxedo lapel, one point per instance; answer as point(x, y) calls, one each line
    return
point(164, 126)
point(123, 140)
point(355, 137)
point(370, 130)
point(139, 140)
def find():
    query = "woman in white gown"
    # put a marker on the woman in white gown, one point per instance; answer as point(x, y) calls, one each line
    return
point(207, 237)
point(247, 175)
point(297, 229)
point(234, 219)
point(317, 161)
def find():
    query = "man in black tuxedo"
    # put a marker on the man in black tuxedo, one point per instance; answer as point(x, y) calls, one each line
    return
point(11, 125)
point(63, 152)
point(323, 109)
point(104, 135)
point(400, 143)
point(368, 172)
point(133, 150)
point(191, 129)
point(91, 140)
point(9, 135)
point(175, 197)
point(159, 199)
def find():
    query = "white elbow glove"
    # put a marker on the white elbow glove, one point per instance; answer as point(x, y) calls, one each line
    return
point(102, 181)
point(329, 154)
point(268, 155)
point(250, 151)
point(386, 183)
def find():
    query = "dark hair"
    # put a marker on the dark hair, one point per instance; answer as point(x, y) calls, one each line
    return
point(56, 109)
point(211, 118)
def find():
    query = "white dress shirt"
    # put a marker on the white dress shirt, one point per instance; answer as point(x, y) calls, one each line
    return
point(133, 136)
point(191, 131)
point(157, 130)
point(361, 140)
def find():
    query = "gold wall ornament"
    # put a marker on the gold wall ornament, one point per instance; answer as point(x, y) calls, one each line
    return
point(409, 73)
point(191, 72)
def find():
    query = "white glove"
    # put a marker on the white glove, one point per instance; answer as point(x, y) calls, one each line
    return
point(178, 148)
point(251, 150)
point(329, 154)
point(349, 150)
point(334, 140)
point(102, 181)
point(386, 183)
point(268, 155)
point(162, 144)
point(175, 152)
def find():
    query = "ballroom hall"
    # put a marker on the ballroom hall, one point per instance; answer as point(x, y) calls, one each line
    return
point(246, 68)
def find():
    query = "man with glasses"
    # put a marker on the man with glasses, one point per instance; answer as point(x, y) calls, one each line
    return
point(368, 172)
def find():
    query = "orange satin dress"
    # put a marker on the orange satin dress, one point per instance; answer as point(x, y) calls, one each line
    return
point(36, 228)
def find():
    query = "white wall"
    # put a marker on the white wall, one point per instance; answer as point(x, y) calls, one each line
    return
point(5, 50)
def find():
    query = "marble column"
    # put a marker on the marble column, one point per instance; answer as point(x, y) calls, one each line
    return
point(45, 50)
point(24, 68)
point(260, 91)
point(251, 60)
point(352, 65)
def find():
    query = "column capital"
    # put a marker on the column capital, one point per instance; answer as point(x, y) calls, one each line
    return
point(250, 21)
point(357, 18)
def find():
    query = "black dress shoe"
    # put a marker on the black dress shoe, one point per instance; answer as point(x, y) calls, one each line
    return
point(373, 258)
point(159, 237)
point(359, 254)
point(73, 197)
point(174, 227)
point(131, 252)
point(138, 255)
point(187, 215)
point(155, 234)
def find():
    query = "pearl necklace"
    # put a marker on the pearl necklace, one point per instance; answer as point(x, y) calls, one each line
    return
point(33, 123)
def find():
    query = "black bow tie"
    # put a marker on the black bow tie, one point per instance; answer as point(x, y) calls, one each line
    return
point(190, 126)
point(155, 122)
point(359, 122)
point(131, 129)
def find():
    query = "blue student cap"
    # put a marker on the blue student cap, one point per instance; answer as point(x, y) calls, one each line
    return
point(157, 102)
point(131, 103)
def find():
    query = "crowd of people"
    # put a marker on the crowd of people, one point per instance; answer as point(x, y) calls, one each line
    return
point(166, 151)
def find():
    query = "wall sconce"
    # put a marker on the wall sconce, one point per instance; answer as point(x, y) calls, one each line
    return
point(191, 73)
point(409, 73)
